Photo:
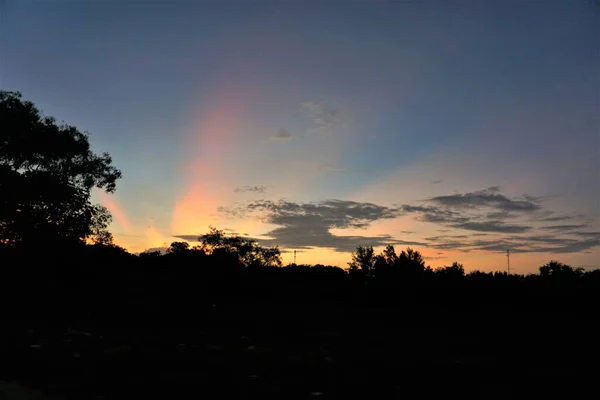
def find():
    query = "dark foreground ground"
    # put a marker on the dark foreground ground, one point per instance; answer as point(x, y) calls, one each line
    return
point(180, 339)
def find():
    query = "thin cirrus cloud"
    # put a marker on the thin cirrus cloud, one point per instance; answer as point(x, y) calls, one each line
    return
point(489, 197)
point(281, 134)
point(329, 167)
point(559, 218)
point(516, 244)
point(325, 116)
point(250, 189)
point(562, 228)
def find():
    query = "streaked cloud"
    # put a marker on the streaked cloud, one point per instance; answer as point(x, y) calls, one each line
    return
point(562, 228)
point(281, 134)
point(559, 218)
point(329, 167)
point(488, 198)
point(516, 244)
point(326, 116)
point(492, 226)
point(188, 238)
point(251, 189)
point(586, 234)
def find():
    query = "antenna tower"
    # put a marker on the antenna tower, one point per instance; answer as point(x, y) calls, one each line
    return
point(508, 259)
point(294, 256)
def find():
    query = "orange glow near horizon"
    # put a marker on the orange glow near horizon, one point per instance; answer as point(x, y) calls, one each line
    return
point(110, 202)
point(207, 182)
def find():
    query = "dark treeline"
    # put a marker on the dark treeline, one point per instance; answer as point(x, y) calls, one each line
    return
point(82, 318)
point(225, 320)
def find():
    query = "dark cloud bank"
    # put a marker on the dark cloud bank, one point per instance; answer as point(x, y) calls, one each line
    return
point(492, 221)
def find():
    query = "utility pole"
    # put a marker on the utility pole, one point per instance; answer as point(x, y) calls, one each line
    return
point(508, 260)
point(294, 257)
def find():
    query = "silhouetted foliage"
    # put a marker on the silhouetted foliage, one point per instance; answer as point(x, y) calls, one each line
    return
point(560, 270)
point(150, 254)
point(178, 247)
point(245, 251)
point(455, 271)
point(47, 173)
point(363, 261)
point(411, 261)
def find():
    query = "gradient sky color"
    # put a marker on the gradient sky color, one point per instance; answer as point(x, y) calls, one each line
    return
point(458, 129)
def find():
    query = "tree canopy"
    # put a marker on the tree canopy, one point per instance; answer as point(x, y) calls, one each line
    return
point(247, 251)
point(47, 173)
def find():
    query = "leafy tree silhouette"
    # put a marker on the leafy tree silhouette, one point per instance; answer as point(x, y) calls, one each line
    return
point(246, 251)
point(411, 261)
point(454, 271)
point(363, 261)
point(560, 270)
point(150, 254)
point(178, 247)
point(47, 173)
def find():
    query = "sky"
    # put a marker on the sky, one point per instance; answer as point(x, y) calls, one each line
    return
point(458, 129)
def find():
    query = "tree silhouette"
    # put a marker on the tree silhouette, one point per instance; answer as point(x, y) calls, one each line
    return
point(389, 255)
point(47, 173)
point(150, 254)
point(385, 262)
point(559, 270)
point(454, 271)
point(178, 247)
point(246, 251)
point(363, 259)
point(411, 262)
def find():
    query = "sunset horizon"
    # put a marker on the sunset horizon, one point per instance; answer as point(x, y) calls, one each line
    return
point(461, 132)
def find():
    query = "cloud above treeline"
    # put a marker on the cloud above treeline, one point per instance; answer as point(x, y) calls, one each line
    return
point(308, 225)
point(484, 220)
point(482, 211)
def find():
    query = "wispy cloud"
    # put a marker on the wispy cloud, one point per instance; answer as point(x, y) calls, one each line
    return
point(329, 167)
point(492, 226)
point(251, 189)
point(562, 228)
point(487, 198)
point(325, 116)
point(516, 244)
point(470, 211)
point(482, 211)
point(281, 134)
point(587, 234)
point(188, 238)
point(558, 218)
